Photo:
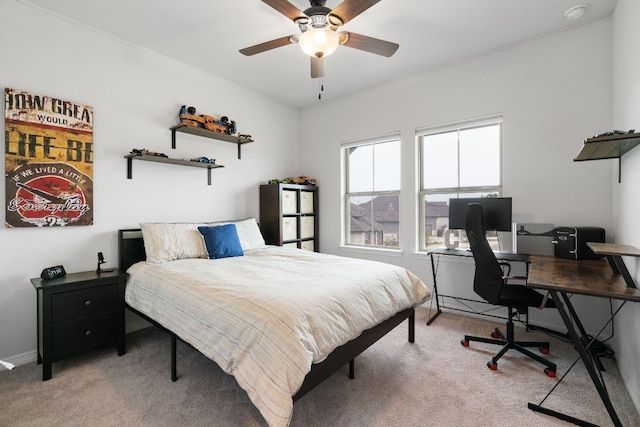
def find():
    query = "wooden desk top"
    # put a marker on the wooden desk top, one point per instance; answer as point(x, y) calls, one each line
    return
point(587, 277)
point(613, 249)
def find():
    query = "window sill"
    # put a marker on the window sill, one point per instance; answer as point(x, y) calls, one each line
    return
point(371, 250)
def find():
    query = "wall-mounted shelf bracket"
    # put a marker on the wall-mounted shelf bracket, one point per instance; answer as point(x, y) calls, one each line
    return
point(208, 134)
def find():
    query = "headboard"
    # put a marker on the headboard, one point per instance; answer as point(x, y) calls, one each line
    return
point(130, 247)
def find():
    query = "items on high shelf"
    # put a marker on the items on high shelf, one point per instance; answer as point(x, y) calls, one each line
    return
point(222, 129)
point(149, 156)
point(609, 145)
point(303, 180)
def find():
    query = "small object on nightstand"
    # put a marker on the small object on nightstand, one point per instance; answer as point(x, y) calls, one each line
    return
point(51, 273)
point(102, 261)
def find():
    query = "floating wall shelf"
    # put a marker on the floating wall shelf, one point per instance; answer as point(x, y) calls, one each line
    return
point(208, 134)
point(608, 147)
point(159, 159)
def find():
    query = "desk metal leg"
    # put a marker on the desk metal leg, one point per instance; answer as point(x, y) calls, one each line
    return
point(435, 292)
point(586, 359)
point(585, 337)
point(619, 267)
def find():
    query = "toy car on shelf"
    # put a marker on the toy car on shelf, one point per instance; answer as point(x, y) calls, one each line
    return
point(204, 160)
point(188, 117)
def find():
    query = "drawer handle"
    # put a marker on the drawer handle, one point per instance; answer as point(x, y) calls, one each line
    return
point(87, 303)
point(87, 333)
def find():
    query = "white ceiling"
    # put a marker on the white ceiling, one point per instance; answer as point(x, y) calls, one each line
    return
point(207, 34)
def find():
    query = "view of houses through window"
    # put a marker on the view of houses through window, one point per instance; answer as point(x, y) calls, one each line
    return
point(461, 160)
point(372, 198)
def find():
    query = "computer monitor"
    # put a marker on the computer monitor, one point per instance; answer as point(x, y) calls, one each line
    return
point(496, 212)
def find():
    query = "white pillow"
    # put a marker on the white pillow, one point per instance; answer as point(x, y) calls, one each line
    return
point(165, 242)
point(249, 234)
point(168, 241)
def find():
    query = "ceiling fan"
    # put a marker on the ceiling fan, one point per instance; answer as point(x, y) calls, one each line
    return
point(319, 36)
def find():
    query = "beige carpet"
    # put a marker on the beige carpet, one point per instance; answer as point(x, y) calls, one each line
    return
point(434, 382)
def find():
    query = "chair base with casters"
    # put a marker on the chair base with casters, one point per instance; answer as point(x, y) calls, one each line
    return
point(508, 342)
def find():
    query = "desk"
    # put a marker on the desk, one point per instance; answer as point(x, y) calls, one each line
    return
point(501, 256)
point(595, 278)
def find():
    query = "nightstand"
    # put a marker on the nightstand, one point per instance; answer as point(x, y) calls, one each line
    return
point(79, 312)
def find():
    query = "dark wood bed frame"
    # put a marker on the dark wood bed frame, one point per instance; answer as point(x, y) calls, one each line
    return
point(131, 250)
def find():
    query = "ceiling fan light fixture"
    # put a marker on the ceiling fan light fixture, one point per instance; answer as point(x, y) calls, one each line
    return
point(334, 20)
point(319, 42)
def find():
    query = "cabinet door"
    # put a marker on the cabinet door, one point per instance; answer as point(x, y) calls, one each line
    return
point(307, 227)
point(306, 202)
point(289, 202)
point(289, 228)
point(308, 245)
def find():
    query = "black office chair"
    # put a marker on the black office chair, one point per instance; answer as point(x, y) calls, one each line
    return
point(490, 282)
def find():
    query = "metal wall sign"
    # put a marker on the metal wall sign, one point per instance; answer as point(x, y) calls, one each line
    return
point(48, 161)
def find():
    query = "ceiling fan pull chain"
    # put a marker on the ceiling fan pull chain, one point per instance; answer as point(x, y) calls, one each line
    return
point(321, 88)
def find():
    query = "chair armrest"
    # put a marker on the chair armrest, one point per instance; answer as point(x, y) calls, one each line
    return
point(504, 264)
point(507, 278)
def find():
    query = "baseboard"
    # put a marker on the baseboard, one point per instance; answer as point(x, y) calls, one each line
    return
point(499, 316)
point(32, 356)
point(21, 359)
point(463, 310)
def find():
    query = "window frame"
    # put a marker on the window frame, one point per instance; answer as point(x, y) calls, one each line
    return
point(459, 191)
point(347, 195)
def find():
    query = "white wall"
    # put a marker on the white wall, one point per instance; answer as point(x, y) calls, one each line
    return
point(136, 96)
point(626, 113)
point(553, 92)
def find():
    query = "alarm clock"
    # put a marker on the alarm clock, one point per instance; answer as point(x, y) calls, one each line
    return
point(52, 272)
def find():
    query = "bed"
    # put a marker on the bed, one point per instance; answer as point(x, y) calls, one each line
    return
point(279, 320)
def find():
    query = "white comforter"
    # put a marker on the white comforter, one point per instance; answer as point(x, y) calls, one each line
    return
point(267, 316)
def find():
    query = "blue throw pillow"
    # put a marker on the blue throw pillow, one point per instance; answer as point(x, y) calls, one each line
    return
point(221, 241)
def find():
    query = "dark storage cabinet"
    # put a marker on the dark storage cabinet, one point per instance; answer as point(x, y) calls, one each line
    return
point(79, 312)
point(289, 215)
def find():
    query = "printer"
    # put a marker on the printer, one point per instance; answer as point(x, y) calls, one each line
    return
point(571, 242)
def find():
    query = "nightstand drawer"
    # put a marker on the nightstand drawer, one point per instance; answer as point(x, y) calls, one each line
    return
point(73, 336)
point(83, 303)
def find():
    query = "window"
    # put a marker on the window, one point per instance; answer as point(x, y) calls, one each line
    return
point(461, 160)
point(372, 196)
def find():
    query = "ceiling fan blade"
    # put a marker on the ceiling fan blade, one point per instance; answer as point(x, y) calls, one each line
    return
point(349, 9)
point(368, 44)
point(262, 47)
point(286, 8)
point(317, 67)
